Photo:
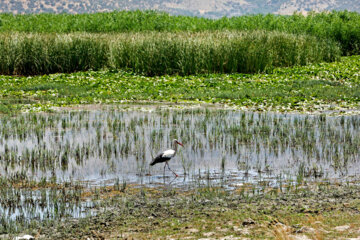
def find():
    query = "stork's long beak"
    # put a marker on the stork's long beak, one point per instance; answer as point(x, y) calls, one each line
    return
point(180, 144)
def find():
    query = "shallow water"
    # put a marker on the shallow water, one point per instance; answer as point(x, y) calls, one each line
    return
point(23, 205)
point(100, 147)
point(113, 147)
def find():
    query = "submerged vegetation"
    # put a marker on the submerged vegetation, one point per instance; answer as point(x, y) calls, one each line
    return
point(342, 27)
point(160, 53)
point(65, 146)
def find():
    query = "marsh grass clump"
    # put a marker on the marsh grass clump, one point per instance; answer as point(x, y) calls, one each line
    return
point(339, 26)
point(33, 54)
point(218, 52)
point(153, 53)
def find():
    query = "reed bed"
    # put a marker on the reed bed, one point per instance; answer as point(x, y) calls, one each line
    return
point(154, 53)
point(342, 26)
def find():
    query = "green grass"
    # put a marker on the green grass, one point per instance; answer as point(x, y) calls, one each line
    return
point(342, 26)
point(153, 53)
point(317, 87)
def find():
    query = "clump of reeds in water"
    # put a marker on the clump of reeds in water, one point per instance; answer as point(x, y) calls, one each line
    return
point(154, 53)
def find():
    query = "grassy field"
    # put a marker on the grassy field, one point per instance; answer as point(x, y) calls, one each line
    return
point(317, 87)
point(154, 53)
point(342, 27)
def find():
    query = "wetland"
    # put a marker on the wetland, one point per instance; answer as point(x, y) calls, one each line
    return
point(75, 168)
point(266, 106)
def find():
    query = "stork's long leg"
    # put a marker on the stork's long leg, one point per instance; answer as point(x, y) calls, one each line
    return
point(170, 169)
point(165, 167)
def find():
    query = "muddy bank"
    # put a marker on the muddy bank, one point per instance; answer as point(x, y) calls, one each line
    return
point(329, 211)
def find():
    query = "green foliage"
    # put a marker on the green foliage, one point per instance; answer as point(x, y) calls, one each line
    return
point(317, 87)
point(154, 53)
point(29, 54)
point(4, 108)
point(342, 26)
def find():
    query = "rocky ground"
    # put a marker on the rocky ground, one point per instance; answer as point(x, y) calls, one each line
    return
point(204, 8)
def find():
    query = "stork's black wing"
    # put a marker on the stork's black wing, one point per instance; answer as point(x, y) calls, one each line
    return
point(159, 159)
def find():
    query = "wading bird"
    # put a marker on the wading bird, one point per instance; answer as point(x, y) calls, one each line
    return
point(166, 155)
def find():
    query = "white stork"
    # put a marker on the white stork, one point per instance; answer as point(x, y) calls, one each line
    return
point(166, 155)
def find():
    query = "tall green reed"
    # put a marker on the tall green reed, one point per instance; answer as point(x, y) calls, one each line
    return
point(154, 53)
point(340, 26)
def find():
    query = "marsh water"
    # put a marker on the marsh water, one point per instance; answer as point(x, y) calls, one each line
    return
point(228, 147)
point(98, 146)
